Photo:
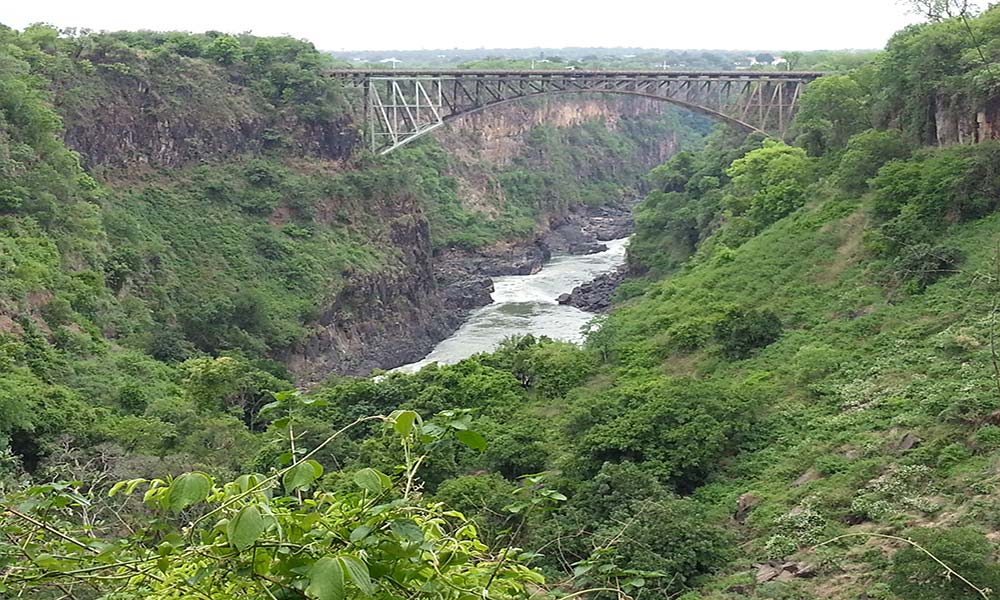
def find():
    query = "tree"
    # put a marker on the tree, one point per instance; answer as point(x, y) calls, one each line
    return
point(225, 49)
point(917, 576)
point(832, 109)
point(792, 59)
point(740, 332)
point(769, 182)
point(680, 430)
point(939, 10)
point(866, 153)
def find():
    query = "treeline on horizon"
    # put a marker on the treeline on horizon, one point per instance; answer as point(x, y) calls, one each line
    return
point(611, 58)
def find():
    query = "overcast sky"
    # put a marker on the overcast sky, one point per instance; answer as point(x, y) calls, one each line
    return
point(431, 24)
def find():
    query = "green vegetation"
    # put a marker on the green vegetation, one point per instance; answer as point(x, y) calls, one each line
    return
point(280, 532)
point(110, 282)
point(282, 76)
point(798, 398)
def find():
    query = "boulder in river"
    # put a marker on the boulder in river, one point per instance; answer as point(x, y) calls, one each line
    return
point(594, 296)
point(469, 293)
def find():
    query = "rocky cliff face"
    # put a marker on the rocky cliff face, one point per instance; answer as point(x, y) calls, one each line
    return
point(484, 143)
point(957, 123)
point(382, 319)
point(118, 120)
point(497, 135)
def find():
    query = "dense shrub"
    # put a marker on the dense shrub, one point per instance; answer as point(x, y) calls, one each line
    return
point(482, 498)
point(741, 331)
point(549, 367)
point(866, 153)
point(679, 430)
point(686, 204)
point(916, 576)
point(641, 530)
point(832, 109)
point(941, 186)
point(918, 199)
point(768, 183)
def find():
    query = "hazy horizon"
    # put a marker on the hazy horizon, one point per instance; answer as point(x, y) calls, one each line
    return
point(621, 48)
point(448, 25)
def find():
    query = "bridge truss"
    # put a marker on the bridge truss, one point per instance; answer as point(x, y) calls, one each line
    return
point(401, 106)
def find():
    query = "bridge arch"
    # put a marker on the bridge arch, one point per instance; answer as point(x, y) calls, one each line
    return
point(708, 112)
point(401, 106)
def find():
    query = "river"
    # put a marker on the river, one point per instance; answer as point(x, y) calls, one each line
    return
point(524, 304)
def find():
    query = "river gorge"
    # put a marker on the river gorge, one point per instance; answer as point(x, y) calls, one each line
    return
point(527, 304)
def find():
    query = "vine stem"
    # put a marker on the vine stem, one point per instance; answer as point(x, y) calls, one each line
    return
point(291, 443)
point(506, 550)
point(592, 590)
point(983, 592)
point(269, 480)
point(83, 571)
point(993, 343)
point(975, 40)
point(993, 319)
point(67, 538)
point(50, 529)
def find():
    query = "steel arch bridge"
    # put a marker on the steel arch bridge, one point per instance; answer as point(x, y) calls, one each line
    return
point(401, 106)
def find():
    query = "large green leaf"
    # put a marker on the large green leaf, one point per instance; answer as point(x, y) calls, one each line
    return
point(188, 489)
point(403, 423)
point(471, 439)
point(407, 529)
point(357, 571)
point(326, 580)
point(372, 480)
point(301, 475)
point(360, 532)
point(245, 528)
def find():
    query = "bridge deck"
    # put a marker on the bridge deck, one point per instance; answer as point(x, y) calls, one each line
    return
point(574, 73)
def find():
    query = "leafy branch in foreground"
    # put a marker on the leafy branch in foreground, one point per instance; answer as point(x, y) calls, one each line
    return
point(266, 536)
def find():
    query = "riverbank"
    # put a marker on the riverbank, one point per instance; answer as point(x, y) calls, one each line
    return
point(466, 278)
point(526, 305)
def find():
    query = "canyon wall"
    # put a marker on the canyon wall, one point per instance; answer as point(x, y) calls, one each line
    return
point(397, 317)
point(168, 114)
point(166, 119)
point(957, 123)
point(498, 134)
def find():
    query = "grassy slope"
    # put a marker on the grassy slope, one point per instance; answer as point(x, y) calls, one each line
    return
point(853, 373)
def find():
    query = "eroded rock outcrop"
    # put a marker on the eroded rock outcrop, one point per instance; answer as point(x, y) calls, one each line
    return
point(956, 122)
point(129, 120)
point(595, 296)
